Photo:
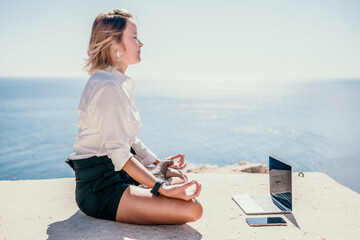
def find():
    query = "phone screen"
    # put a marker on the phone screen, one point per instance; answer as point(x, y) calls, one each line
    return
point(266, 221)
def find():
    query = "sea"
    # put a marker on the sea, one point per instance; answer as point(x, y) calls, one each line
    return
point(312, 124)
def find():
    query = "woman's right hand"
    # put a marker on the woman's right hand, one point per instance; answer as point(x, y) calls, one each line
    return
point(179, 190)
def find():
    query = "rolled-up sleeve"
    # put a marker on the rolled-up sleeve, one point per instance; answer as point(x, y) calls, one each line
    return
point(144, 154)
point(108, 109)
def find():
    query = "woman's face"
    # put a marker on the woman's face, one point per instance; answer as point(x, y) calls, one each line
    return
point(131, 53)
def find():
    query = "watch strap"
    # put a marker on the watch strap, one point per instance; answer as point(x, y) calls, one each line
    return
point(156, 188)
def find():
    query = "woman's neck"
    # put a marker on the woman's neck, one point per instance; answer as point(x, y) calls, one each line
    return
point(122, 68)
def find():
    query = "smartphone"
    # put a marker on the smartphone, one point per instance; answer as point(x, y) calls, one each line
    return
point(266, 221)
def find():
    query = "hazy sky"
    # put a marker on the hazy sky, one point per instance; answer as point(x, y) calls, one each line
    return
point(251, 39)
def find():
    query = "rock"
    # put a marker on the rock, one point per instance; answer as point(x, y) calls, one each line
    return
point(257, 168)
point(247, 167)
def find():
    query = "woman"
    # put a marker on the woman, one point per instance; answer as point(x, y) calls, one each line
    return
point(109, 160)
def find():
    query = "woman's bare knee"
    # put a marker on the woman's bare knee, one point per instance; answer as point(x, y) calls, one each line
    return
point(194, 211)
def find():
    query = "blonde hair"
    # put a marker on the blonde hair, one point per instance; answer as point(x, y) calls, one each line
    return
point(107, 29)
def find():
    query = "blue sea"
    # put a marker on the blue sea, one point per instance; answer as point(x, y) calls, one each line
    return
point(312, 124)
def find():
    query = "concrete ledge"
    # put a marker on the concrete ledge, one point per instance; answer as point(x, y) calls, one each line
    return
point(46, 209)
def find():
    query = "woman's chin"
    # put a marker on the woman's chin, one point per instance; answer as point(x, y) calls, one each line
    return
point(135, 61)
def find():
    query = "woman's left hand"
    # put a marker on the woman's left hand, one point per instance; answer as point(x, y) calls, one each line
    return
point(177, 164)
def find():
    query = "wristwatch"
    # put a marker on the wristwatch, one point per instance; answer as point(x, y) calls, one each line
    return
point(156, 188)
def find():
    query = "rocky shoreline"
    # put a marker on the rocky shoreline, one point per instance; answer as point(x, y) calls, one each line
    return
point(322, 209)
point(246, 167)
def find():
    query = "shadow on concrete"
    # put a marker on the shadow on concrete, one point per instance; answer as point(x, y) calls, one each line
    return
point(81, 226)
point(292, 219)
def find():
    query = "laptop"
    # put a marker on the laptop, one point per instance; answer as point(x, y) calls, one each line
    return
point(280, 198)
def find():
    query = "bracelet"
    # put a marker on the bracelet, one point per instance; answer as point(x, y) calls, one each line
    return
point(156, 188)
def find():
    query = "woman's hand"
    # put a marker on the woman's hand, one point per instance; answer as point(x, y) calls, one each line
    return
point(179, 190)
point(177, 164)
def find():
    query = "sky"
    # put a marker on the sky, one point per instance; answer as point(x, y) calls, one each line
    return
point(186, 39)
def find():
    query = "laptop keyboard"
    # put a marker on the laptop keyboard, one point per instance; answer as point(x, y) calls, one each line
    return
point(263, 201)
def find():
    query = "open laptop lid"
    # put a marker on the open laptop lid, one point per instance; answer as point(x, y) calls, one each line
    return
point(280, 182)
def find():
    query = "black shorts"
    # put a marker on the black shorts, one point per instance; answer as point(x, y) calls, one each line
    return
point(99, 187)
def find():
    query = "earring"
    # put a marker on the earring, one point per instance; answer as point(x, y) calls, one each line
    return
point(118, 54)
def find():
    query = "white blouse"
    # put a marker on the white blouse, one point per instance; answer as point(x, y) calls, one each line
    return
point(109, 121)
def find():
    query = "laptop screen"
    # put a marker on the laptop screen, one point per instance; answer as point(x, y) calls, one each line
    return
point(280, 182)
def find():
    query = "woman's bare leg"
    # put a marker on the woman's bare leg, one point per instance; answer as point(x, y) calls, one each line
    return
point(140, 206)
